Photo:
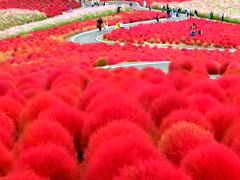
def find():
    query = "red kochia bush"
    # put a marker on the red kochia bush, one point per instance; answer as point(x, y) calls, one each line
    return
point(36, 105)
point(232, 137)
point(151, 169)
point(10, 107)
point(24, 175)
point(182, 137)
point(110, 131)
point(212, 162)
point(202, 102)
point(67, 116)
point(167, 103)
point(42, 132)
point(221, 118)
point(50, 161)
point(187, 115)
point(207, 87)
point(7, 124)
point(120, 151)
point(114, 107)
point(147, 94)
point(6, 160)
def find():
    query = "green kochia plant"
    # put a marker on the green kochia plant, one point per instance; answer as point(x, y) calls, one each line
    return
point(101, 62)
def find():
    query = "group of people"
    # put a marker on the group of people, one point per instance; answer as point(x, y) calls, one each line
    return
point(97, 3)
point(101, 24)
point(193, 29)
point(104, 24)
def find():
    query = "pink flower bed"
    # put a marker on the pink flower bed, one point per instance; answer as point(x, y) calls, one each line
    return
point(214, 33)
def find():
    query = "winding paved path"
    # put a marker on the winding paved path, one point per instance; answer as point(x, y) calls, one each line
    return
point(96, 36)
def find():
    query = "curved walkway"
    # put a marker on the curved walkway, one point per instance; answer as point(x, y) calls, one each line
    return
point(96, 36)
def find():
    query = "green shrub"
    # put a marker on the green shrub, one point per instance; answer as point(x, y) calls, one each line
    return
point(101, 62)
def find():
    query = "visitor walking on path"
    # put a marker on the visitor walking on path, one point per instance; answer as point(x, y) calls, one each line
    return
point(144, 3)
point(196, 13)
point(157, 18)
point(105, 26)
point(149, 8)
point(121, 24)
point(168, 13)
point(131, 5)
point(99, 23)
point(223, 15)
point(193, 29)
point(211, 15)
point(118, 9)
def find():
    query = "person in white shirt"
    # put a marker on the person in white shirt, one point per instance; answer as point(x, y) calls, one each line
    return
point(121, 24)
point(144, 4)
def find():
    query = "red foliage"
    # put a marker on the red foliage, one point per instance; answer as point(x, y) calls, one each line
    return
point(207, 87)
point(49, 161)
point(212, 162)
point(24, 175)
point(221, 118)
point(43, 132)
point(108, 107)
point(10, 107)
point(179, 31)
point(6, 160)
point(231, 137)
point(167, 103)
point(187, 115)
point(202, 102)
point(39, 103)
point(151, 169)
point(51, 8)
point(112, 130)
point(67, 116)
point(181, 138)
point(120, 151)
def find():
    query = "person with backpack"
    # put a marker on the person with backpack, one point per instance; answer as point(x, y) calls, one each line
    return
point(193, 29)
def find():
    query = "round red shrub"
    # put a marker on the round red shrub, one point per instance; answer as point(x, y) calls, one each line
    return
point(167, 103)
point(181, 138)
point(6, 160)
point(207, 87)
point(36, 105)
point(24, 175)
point(212, 162)
point(232, 136)
point(109, 107)
point(187, 115)
point(147, 94)
point(110, 131)
point(152, 75)
point(212, 67)
point(7, 124)
point(67, 116)
point(10, 107)
point(5, 86)
point(202, 102)
point(50, 161)
point(120, 151)
point(42, 132)
point(151, 169)
point(221, 118)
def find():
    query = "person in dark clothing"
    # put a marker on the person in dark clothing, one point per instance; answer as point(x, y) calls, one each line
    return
point(167, 7)
point(178, 11)
point(118, 9)
point(223, 15)
point(163, 8)
point(211, 15)
point(199, 32)
point(196, 13)
point(149, 8)
point(131, 5)
point(157, 18)
point(99, 23)
point(193, 29)
point(168, 13)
